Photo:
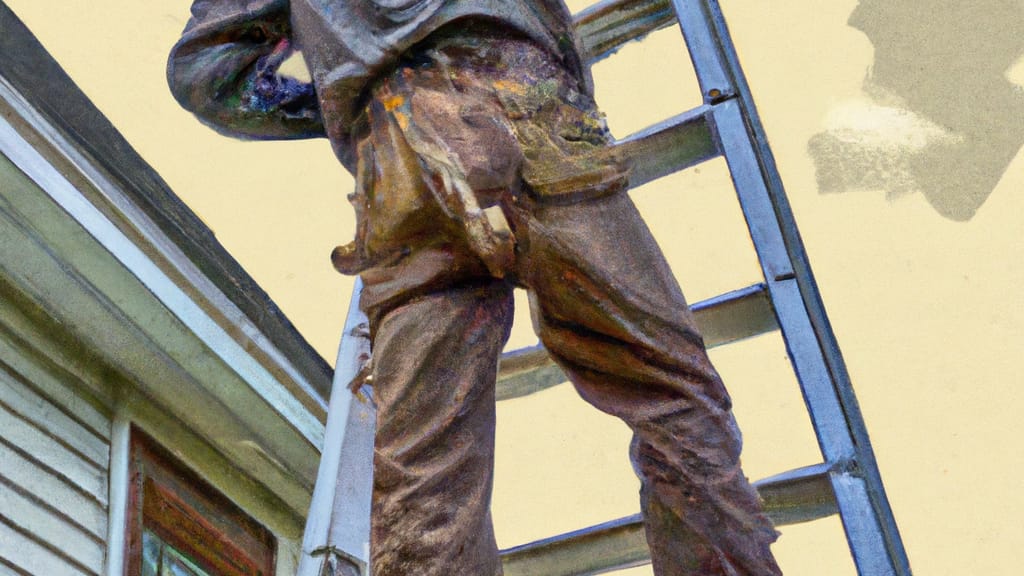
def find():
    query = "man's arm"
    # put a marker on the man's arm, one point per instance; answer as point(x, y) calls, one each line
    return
point(224, 70)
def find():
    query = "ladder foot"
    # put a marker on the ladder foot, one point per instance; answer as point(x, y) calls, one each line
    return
point(334, 566)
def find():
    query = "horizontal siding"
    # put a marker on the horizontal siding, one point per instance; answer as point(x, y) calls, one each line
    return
point(18, 472)
point(23, 512)
point(29, 555)
point(87, 477)
point(47, 378)
point(8, 570)
point(18, 398)
point(53, 479)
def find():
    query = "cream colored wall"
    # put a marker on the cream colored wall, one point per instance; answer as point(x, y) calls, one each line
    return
point(920, 279)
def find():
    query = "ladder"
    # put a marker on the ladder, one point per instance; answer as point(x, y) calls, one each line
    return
point(846, 482)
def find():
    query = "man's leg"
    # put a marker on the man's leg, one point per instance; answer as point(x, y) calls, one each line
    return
point(435, 362)
point(612, 315)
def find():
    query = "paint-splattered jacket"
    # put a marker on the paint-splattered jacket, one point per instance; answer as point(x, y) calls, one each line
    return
point(224, 68)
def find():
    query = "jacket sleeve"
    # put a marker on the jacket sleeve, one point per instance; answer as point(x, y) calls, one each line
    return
point(225, 71)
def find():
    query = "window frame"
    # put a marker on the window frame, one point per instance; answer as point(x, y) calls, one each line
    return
point(187, 513)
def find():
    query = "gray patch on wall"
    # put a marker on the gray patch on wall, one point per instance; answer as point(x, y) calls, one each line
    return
point(939, 115)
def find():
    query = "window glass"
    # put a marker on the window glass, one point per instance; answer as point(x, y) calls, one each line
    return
point(162, 559)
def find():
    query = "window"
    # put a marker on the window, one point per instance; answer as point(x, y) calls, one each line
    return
point(179, 525)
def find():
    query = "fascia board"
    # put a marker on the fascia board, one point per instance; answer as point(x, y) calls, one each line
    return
point(73, 260)
point(80, 141)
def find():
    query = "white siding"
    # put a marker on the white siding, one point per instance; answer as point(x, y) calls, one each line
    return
point(54, 457)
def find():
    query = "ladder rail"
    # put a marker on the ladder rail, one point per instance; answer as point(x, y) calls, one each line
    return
point(338, 524)
point(867, 543)
point(722, 77)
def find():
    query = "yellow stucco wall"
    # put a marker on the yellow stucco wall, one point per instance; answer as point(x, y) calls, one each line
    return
point(897, 133)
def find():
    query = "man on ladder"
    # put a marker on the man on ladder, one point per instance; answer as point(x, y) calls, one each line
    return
point(477, 149)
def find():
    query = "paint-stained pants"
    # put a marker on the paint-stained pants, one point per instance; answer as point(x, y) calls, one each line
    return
point(607, 307)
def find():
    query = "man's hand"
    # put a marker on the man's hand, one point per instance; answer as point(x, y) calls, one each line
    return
point(225, 71)
point(271, 92)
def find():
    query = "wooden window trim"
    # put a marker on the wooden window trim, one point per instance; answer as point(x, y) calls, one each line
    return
point(187, 513)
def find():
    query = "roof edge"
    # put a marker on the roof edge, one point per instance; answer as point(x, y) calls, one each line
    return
point(31, 70)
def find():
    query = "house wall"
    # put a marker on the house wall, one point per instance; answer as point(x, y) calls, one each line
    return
point(103, 327)
point(66, 409)
point(63, 469)
point(54, 458)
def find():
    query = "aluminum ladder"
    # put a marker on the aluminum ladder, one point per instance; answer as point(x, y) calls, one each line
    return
point(846, 482)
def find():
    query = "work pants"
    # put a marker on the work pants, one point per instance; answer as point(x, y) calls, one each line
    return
point(606, 306)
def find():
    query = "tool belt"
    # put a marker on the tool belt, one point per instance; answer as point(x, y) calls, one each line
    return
point(462, 117)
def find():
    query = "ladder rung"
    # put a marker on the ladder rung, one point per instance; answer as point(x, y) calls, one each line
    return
point(605, 26)
point(527, 371)
point(799, 495)
point(723, 319)
point(796, 496)
point(610, 546)
point(670, 146)
point(735, 315)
